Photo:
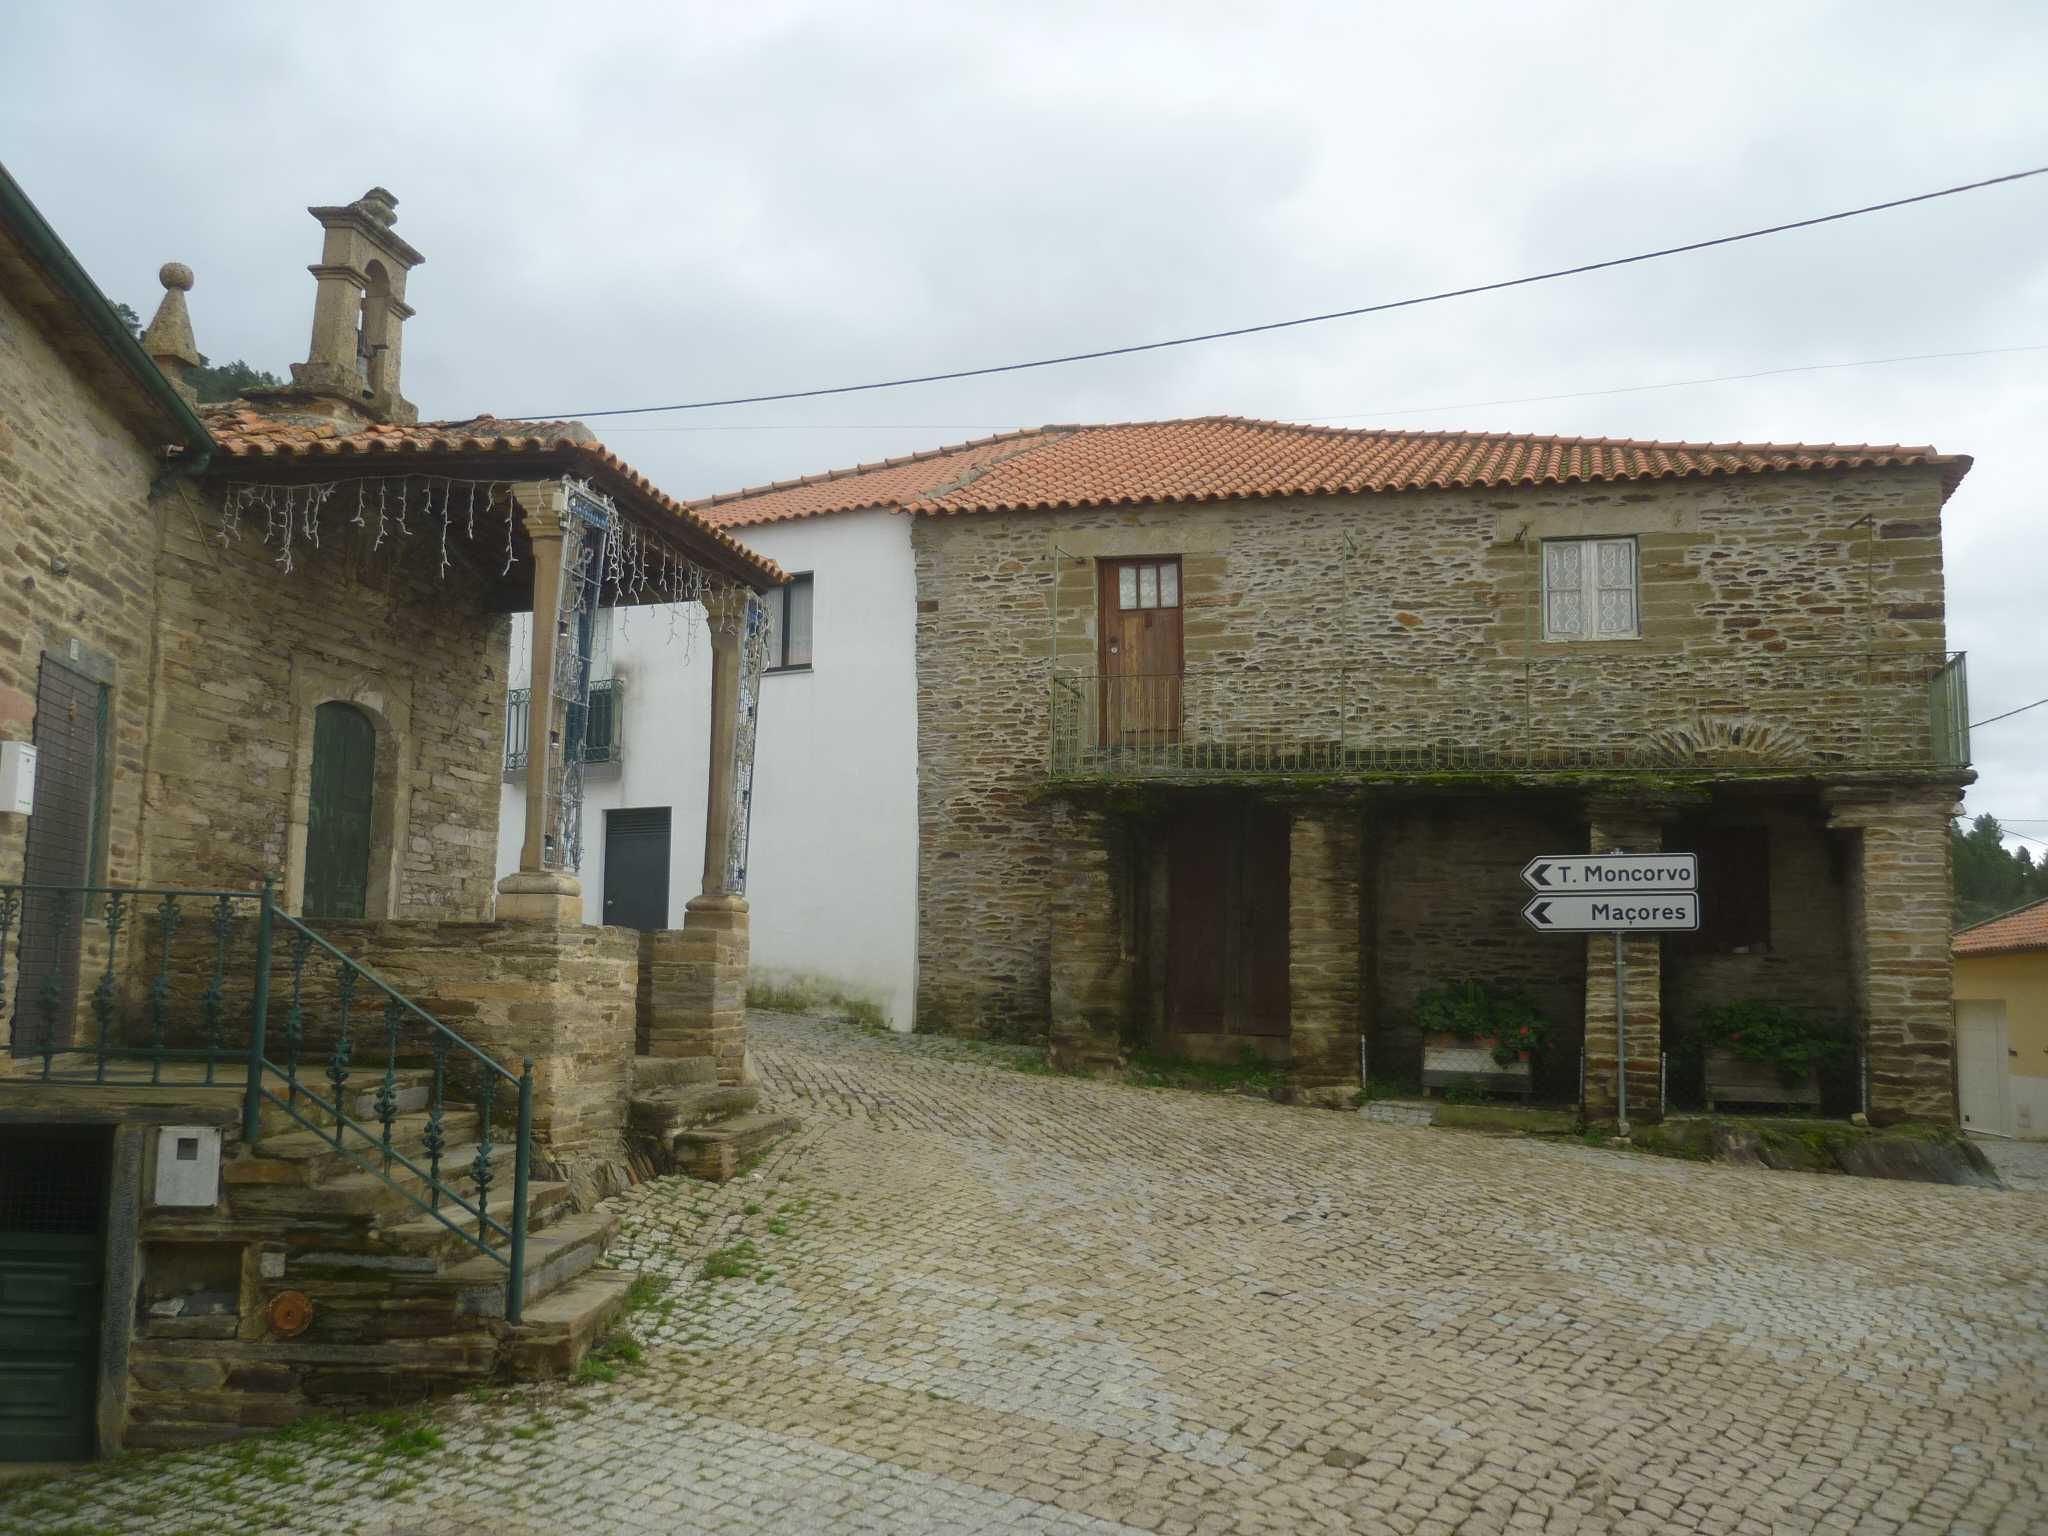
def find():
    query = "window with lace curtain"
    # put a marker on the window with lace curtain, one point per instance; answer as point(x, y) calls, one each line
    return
point(1589, 589)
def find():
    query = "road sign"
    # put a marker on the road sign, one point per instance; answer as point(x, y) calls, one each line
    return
point(1628, 912)
point(1617, 872)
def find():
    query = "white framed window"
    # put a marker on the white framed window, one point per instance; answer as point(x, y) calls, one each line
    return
point(1589, 589)
point(789, 625)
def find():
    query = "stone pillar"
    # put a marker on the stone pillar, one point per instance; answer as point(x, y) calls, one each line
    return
point(1902, 973)
point(1090, 967)
point(1624, 825)
point(1325, 972)
point(698, 993)
point(535, 893)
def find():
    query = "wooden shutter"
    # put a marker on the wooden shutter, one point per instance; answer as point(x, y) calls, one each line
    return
point(69, 722)
point(338, 818)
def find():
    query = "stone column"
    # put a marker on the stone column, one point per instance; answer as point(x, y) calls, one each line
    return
point(535, 893)
point(1090, 992)
point(1624, 825)
point(1325, 971)
point(1902, 973)
point(698, 992)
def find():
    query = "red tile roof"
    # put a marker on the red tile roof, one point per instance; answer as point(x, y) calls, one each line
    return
point(249, 437)
point(1222, 458)
point(2026, 928)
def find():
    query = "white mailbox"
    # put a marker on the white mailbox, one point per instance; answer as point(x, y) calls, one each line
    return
point(17, 778)
point(188, 1165)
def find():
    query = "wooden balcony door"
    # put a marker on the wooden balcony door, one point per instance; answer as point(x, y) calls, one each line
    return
point(1140, 628)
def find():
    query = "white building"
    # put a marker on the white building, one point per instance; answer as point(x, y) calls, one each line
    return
point(832, 856)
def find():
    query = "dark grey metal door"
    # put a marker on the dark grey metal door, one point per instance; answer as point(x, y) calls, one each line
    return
point(636, 868)
point(70, 726)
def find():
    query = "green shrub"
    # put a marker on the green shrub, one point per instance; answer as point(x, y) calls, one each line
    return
point(1792, 1042)
point(1471, 1010)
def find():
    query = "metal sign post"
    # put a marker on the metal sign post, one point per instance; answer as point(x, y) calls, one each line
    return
point(1617, 894)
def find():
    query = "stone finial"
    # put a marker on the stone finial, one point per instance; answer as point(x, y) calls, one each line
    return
point(168, 341)
point(379, 205)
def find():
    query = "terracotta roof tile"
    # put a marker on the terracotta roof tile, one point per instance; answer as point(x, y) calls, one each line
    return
point(247, 437)
point(1222, 458)
point(2026, 928)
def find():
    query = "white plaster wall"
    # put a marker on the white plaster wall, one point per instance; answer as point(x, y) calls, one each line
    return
point(832, 859)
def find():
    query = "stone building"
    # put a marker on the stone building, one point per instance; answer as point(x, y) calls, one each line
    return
point(1233, 737)
point(302, 1103)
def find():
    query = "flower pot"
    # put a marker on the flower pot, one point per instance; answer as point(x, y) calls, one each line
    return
point(1732, 1081)
point(1458, 1061)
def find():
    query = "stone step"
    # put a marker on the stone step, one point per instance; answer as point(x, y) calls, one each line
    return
point(715, 1152)
point(429, 1237)
point(365, 1193)
point(553, 1259)
point(662, 1112)
point(359, 1098)
point(672, 1071)
point(558, 1330)
point(309, 1157)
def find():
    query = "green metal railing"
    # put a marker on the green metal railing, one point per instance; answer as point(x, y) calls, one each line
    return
point(1755, 711)
point(140, 1025)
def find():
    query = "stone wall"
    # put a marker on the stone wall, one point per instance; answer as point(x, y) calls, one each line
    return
point(78, 534)
point(1447, 898)
point(245, 651)
point(1402, 623)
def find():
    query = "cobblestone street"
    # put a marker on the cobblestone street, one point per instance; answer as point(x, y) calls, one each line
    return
point(971, 1298)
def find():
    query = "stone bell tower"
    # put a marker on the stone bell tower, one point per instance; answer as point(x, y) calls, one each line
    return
point(359, 310)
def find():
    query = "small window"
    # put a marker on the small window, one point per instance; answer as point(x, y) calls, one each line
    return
point(1589, 589)
point(1148, 584)
point(789, 625)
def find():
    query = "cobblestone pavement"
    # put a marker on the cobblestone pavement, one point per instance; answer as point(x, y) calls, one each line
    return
point(966, 1299)
point(2021, 1164)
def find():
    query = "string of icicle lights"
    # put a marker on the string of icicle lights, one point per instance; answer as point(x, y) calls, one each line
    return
point(633, 566)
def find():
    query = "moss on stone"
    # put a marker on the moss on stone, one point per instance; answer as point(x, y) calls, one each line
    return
point(1511, 1119)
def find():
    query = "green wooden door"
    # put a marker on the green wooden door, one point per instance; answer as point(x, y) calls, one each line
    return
point(52, 1210)
point(338, 819)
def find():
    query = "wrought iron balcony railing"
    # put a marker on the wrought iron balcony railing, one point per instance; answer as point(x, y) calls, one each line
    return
point(193, 981)
point(600, 725)
point(1757, 712)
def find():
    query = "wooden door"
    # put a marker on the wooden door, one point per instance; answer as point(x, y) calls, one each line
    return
point(1226, 930)
point(636, 860)
point(52, 1215)
point(1139, 622)
point(1982, 1067)
point(70, 731)
point(338, 818)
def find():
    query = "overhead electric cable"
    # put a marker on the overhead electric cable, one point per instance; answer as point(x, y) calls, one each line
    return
point(1384, 411)
point(2008, 714)
point(1281, 325)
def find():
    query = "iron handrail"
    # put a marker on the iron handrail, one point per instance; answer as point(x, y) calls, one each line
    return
point(376, 1154)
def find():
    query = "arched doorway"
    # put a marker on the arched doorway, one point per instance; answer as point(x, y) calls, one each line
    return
point(338, 825)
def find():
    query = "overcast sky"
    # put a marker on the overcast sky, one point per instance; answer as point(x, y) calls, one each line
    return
point(631, 204)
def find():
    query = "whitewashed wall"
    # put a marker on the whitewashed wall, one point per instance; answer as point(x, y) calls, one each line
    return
point(832, 864)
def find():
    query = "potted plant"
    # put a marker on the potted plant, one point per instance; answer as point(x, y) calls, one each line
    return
point(1765, 1053)
point(1476, 1036)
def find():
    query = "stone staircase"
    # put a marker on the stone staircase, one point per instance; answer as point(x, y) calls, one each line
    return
point(681, 1120)
point(400, 1305)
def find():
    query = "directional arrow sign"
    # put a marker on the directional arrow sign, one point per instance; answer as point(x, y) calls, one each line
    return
point(1629, 912)
point(1569, 872)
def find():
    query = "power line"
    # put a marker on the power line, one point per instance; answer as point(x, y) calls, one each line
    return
point(2008, 714)
point(1392, 410)
point(1339, 314)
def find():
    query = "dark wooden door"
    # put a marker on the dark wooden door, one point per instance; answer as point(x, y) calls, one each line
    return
point(1139, 623)
point(636, 868)
point(338, 818)
point(70, 731)
point(1227, 922)
point(52, 1200)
